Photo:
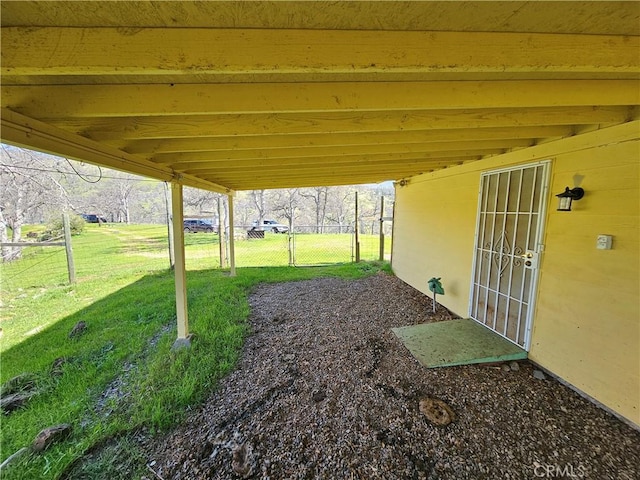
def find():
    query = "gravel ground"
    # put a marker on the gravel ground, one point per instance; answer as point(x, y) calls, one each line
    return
point(324, 389)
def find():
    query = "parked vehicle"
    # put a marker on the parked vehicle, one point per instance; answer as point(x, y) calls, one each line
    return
point(271, 226)
point(198, 225)
point(91, 218)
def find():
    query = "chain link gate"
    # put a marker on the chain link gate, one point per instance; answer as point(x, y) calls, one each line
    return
point(322, 245)
point(309, 245)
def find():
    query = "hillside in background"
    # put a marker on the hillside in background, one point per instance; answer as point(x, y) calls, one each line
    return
point(37, 187)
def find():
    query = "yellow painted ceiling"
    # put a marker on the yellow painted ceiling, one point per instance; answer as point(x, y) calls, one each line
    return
point(247, 95)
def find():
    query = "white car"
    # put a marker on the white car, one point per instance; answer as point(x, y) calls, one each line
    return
point(271, 226)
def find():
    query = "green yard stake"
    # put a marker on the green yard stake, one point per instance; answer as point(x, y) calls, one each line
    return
point(436, 287)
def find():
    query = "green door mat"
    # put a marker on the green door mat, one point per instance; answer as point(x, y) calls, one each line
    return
point(457, 342)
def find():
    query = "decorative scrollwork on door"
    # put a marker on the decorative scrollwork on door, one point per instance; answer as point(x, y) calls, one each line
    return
point(502, 252)
point(517, 256)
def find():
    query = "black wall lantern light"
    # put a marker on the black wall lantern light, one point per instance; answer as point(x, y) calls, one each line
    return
point(569, 195)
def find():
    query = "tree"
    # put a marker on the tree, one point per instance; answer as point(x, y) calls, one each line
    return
point(368, 206)
point(5, 252)
point(203, 201)
point(318, 195)
point(340, 206)
point(149, 205)
point(243, 209)
point(118, 196)
point(287, 202)
point(29, 184)
point(259, 201)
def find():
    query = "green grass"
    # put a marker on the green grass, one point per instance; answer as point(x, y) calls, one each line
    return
point(126, 297)
point(34, 290)
point(144, 248)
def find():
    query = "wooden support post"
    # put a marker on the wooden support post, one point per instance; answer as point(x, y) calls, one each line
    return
point(67, 245)
point(232, 244)
point(357, 231)
point(179, 271)
point(393, 230)
point(167, 203)
point(221, 235)
point(381, 257)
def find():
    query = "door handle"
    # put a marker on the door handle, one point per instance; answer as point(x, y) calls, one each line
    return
point(530, 259)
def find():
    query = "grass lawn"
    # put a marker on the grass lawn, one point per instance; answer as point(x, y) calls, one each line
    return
point(125, 295)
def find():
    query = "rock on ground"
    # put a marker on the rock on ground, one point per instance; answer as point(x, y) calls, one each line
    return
point(49, 436)
point(78, 329)
point(17, 391)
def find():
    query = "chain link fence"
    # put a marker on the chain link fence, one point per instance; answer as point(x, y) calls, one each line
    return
point(260, 248)
point(141, 249)
point(305, 245)
point(333, 244)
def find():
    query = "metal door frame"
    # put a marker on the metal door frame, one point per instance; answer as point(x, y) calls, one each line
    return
point(539, 245)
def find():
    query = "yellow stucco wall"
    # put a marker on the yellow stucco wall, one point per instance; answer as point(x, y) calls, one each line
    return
point(586, 326)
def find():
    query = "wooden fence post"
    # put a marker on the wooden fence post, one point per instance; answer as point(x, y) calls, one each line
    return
point(381, 229)
point(167, 202)
point(67, 245)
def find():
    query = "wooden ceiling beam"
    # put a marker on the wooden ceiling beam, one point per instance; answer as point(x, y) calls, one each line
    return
point(90, 101)
point(26, 132)
point(333, 152)
point(355, 173)
point(319, 164)
point(336, 177)
point(329, 181)
point(318, 54)
point(283, 77)
point(595, 18)
point(220, 144)
point(412, 167)
point(137, 128)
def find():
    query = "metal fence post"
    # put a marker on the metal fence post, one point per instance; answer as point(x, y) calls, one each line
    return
point(67, 246)
point(357, 229)
point(291, 246)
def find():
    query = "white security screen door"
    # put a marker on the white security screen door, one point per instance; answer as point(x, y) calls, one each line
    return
point(508, 243)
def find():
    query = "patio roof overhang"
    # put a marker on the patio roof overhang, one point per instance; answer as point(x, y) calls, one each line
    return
point(231, 96)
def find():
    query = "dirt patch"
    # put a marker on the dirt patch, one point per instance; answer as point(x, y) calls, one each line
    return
point(325, 390)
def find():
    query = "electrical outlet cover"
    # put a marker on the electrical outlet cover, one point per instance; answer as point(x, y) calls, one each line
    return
point(604, 242)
